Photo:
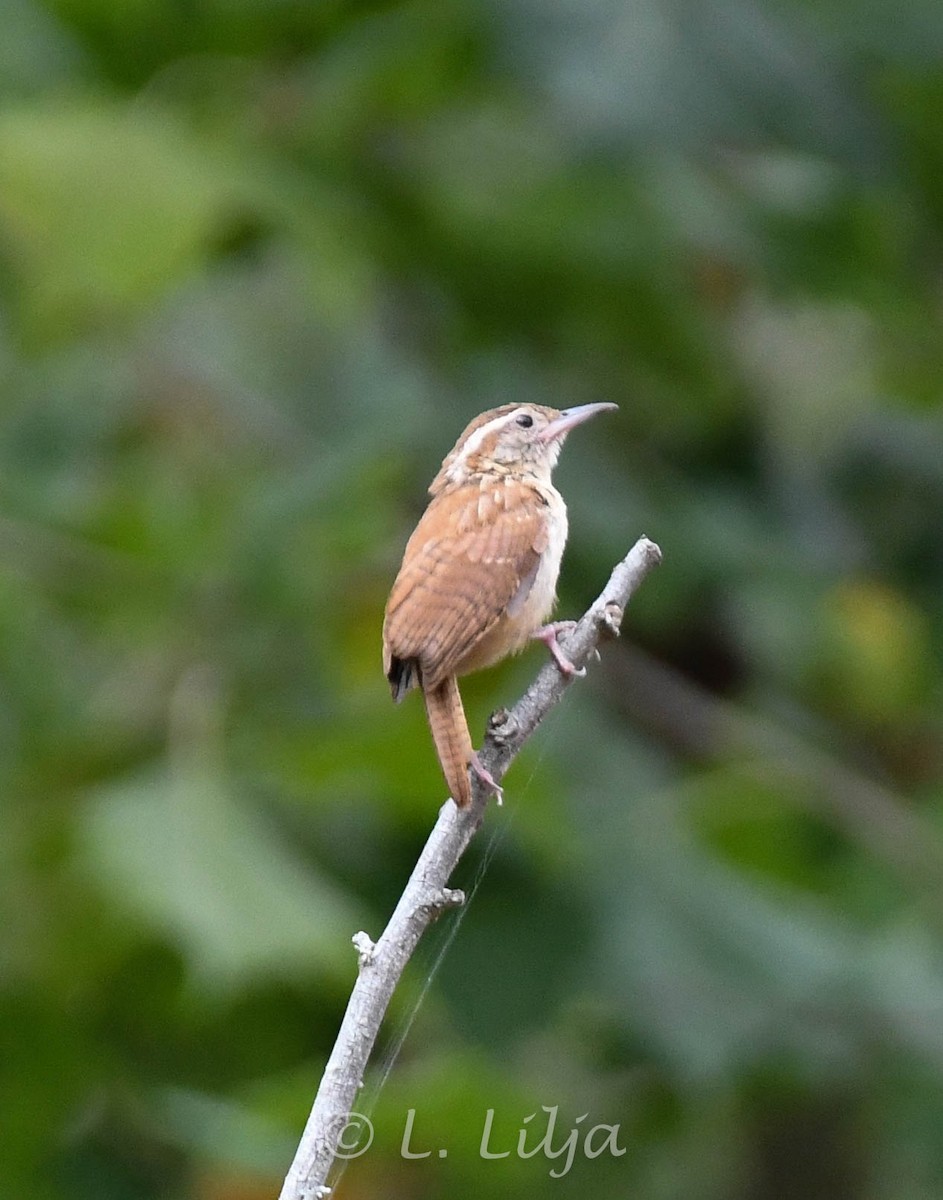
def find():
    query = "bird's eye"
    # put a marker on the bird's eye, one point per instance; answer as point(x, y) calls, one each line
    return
point(525, 420)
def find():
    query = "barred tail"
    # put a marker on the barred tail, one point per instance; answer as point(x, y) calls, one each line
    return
point(452, 740)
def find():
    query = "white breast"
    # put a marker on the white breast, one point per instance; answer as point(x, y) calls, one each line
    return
point(542, 596)
point(516, 626)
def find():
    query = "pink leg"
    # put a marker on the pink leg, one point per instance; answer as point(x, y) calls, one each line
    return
point(548, 635)
point(486, 777)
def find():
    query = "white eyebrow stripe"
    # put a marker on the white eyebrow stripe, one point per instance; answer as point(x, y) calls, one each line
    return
point(473, 445)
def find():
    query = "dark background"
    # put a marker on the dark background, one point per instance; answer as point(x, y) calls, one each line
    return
point(259, 264)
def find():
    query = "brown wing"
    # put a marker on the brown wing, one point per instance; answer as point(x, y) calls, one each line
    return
point(473, 554)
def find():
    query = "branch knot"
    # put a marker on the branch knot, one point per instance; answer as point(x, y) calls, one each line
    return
point(366, 949)
point(503, 726)
point(442, 900)
point(610, 619)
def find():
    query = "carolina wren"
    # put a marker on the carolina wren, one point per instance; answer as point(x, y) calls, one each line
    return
point(479, 574)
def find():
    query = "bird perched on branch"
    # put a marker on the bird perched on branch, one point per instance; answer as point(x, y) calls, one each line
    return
point(479, 574)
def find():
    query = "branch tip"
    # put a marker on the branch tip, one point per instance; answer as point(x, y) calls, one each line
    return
point(650, 549)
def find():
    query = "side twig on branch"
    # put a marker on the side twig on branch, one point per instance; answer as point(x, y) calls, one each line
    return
point(427, 893)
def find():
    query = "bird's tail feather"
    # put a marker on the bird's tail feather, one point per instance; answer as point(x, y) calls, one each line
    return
point(452, 740)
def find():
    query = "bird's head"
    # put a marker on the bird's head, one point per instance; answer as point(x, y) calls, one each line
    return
point(515, 438)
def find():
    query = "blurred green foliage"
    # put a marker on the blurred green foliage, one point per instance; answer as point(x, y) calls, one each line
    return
point(259, 263)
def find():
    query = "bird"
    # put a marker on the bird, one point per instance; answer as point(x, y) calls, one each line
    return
point(479, 574)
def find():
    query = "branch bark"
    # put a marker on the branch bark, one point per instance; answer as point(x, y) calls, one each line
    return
point(427, 893)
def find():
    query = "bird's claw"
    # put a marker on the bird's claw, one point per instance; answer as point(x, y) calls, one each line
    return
point(548, 635)
point(486, 777)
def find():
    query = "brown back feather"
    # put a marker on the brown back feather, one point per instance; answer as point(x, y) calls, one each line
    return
point(465, 563)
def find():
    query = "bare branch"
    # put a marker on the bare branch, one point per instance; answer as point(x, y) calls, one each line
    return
point(427, 892)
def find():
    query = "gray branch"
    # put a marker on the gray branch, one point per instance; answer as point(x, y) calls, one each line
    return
point(427, 892)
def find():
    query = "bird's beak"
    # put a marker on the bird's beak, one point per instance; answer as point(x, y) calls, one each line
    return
point(571, 417)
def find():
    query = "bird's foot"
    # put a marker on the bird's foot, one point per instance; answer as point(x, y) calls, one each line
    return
point(548, 635)
point(486, 777)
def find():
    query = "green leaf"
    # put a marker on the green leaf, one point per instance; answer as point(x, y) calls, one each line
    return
point(101, 209)
point(196, 863)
